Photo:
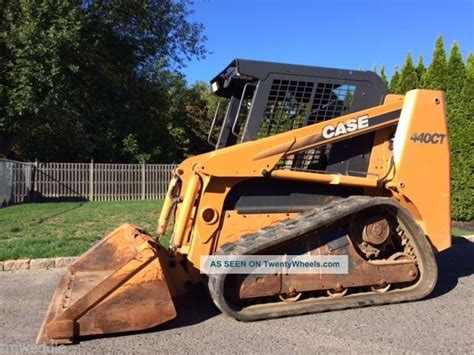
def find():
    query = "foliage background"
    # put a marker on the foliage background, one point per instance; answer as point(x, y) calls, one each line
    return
point(102, 80)
point(99, 79)
point(455, 76)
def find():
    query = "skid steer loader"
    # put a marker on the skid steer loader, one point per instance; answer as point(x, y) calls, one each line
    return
point(307, 160)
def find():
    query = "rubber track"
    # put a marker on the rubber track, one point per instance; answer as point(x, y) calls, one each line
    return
point(310, 221)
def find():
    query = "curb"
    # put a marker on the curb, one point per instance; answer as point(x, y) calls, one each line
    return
point(36, 264)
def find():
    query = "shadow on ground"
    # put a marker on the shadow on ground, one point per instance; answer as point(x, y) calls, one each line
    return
point(51, 216)
point(453, 264)
point(193, 308)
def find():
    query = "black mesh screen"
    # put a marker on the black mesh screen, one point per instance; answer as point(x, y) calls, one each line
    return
point(330, 100)
point(293, 104)
point(287, 107)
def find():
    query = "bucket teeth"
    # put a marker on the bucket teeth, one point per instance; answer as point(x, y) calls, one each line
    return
point(119, 285)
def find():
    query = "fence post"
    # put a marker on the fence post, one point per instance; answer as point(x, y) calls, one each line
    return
point(91, 180)
point(34, 187)
point(143, 181)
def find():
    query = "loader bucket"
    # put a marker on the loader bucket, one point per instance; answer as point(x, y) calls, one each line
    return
point(119, 285)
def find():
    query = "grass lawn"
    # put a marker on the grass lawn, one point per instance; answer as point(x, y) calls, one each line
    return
point(459, 232)
point(43, 230)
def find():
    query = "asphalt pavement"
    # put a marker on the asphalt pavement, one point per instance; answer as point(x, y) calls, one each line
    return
point(441, 323)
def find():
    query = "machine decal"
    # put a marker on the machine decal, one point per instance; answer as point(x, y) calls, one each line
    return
point(428, 138)
point(355, 124)
point(343, 128)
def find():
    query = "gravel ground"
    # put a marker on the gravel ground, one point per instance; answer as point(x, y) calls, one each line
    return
point(441, 323)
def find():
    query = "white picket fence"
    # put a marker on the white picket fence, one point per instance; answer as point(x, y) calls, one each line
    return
point(38, 182)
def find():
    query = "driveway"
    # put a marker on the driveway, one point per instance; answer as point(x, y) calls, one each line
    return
point(442, 323)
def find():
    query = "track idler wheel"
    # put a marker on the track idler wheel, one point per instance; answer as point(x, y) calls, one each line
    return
point(384, 287)
point(340, 291)
point(293, 296)
point(376, 231)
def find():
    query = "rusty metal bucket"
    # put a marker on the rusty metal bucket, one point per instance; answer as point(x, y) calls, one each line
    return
point(119, 285)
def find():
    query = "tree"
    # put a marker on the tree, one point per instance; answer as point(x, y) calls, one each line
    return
point(420, 69)
point(456, 74)
point(467, 93)
point(383, 76)
point(435, 76)
point(189, 123)
point(156, 30)
point(457, 80)
point(82, 79)
point(394, 82)
point(36, 37)
point(132, 148)
point(408, 77)
point(461, 125)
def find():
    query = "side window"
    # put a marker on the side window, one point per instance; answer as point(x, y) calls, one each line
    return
point(287, 106)
point(331, 100)
point(293, 104)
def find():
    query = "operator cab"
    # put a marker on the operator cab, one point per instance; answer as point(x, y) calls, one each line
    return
point(260, 99)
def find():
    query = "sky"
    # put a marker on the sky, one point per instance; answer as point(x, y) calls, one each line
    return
point(357, 34)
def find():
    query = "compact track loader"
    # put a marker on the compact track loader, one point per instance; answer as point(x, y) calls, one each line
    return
point(308, 160)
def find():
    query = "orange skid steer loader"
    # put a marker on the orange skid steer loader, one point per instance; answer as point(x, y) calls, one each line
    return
point(308, 160)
